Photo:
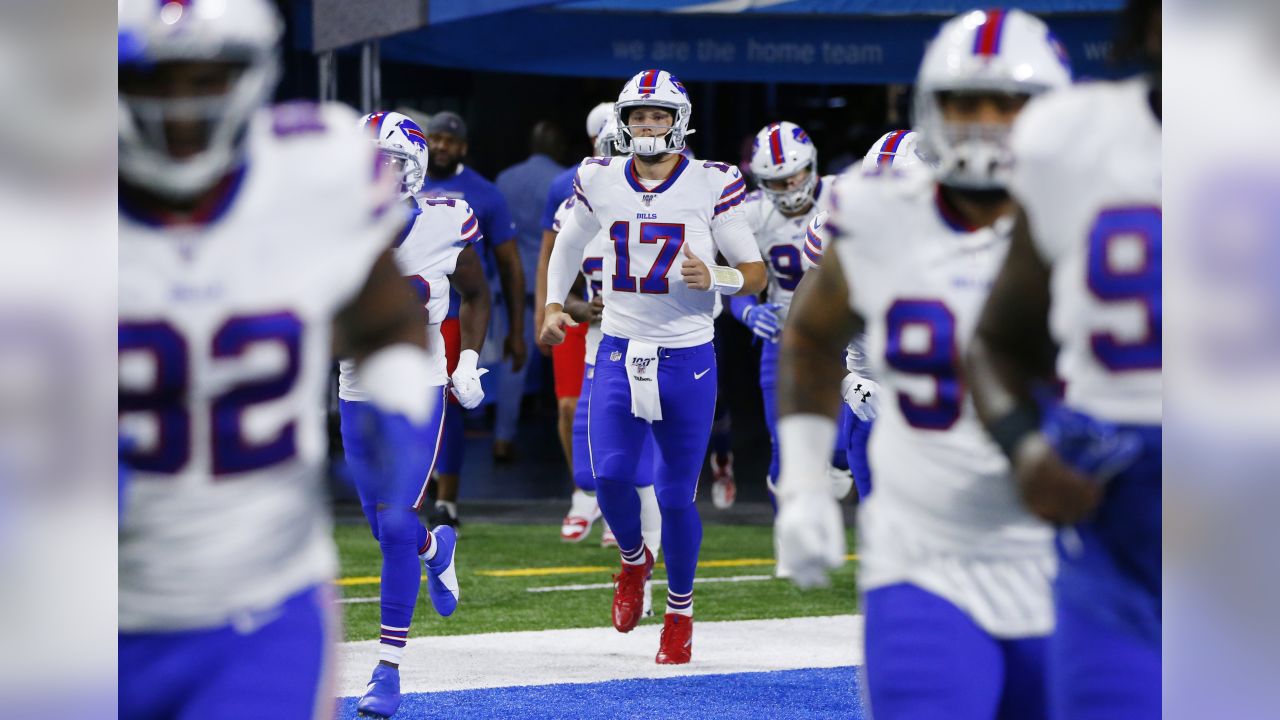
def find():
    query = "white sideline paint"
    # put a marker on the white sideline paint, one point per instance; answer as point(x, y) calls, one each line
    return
point(655, 583)
point(545, 657)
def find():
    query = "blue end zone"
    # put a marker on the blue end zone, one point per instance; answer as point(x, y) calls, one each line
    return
point(814, 693)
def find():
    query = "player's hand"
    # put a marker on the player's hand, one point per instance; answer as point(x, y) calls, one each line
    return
point(694, 272)
point(764, 321)
point(1052, 489)
point(553, 326)
point(810, 534)
point(596, 308)
point(861, 395)
point(513, 347)
point(465, 383)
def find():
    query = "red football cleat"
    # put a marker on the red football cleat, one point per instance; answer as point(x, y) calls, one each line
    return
point(676, 645)
point(628, 593)
point(724, 490)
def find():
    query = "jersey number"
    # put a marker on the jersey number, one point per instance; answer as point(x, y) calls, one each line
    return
point(671, 235)
point(169, 399)
point(786, 266)
point(1137, 281)
point(931, 329)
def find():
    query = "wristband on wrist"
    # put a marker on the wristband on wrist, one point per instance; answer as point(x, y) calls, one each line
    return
point(804, 446)
point(725, 280)
point(1009, 430)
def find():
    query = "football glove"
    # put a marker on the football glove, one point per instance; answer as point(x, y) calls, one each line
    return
point(861, 395)
point(764, 321)
point(465, 383)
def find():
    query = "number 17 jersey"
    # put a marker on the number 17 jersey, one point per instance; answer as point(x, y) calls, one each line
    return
point(647, 227)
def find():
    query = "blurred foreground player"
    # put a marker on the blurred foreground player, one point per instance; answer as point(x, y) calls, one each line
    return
point(252, 242)
point(436, 245)
point(896, 152)
point(1084, 272)
point(655, 371)
point(955, 572)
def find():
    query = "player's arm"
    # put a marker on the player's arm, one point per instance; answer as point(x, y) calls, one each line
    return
point(563, 269)
point(473, 318)
point(820, 323)
point(1012, 351)
point(383, 314)
point(745, 274)
point(576, 304)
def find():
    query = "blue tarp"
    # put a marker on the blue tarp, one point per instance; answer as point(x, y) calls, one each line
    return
point(745, 48)
point(800, 41)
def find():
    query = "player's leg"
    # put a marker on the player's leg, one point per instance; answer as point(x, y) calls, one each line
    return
point(768, 392)
point(650, 512)
point(687, 381)
point(454, 443)
point(282, 669)
point(925, 658)
point(614, 437)
point(160, 672)
point(583, 510)
point(359, 457)
point(856, 453)
point(1025, 689)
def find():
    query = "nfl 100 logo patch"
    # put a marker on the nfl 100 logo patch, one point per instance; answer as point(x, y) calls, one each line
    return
point(615, 356)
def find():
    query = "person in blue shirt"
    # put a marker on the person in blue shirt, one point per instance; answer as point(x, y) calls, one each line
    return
point(525, 186)
point(447, 176)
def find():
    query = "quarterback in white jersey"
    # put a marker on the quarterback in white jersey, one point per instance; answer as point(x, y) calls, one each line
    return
point(945, 541)
point(1084, 273)
point(245, 236)
point(666, 218)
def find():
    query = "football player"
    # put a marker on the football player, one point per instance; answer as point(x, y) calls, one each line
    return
point(785, 164)
point(253, 241)
point(666, 217)
point(1083, 272)
point(895, 152)
point(436, 245)
point(955, 573)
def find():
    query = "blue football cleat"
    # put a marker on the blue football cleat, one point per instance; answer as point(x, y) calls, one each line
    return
point(382, 697)
point(442, 579)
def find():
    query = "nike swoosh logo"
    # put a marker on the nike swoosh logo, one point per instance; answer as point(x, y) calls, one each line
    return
point(698, 376)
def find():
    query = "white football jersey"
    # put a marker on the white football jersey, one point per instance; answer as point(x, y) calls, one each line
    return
point(441, 228)
point(945, 513)
point(592, 271)
point(782, 241)
point(1088, 176)
point(816, 237)
point(647, 227)
point(225, 347)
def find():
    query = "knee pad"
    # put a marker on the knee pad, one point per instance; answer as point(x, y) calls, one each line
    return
point(674, 498)
point(614, 467)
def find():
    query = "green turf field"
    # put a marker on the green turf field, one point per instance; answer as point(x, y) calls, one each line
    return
point(492, 603)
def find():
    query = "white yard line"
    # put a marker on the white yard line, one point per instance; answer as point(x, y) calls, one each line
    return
point(603, 586)
point(463, 662)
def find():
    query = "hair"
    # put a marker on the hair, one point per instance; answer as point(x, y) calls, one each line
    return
point(547, 139)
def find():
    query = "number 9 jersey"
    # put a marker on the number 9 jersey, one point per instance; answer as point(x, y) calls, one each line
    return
point(225, 348)
point(1087, 174)
point(919, 277)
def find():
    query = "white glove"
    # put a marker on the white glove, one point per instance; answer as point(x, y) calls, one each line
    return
point(841, 482)
point(861, 395)
point(465, 383)
point(810, 537)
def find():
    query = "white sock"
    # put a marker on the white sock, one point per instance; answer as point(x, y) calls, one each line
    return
point(390, 653)
point(680, 604)
point(650, 519)
point(431, 547)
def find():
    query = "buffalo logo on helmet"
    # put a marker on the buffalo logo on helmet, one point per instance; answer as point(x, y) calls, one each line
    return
point(411, 131)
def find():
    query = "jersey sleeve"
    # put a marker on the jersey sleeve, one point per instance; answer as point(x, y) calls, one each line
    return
point(469, 230)
point(562, 212)
point(729, 228)
point(581, 210)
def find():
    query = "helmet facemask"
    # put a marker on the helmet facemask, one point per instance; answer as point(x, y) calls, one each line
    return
point(672, 141)
point(967, 131)
point(180, 129)
point(408, 168)
point(796, 198)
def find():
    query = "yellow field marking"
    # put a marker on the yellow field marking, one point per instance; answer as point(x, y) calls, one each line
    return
point(577, 570)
